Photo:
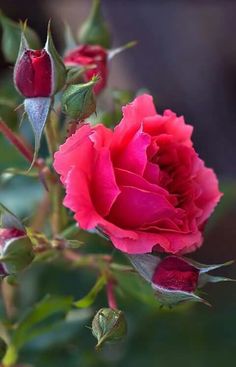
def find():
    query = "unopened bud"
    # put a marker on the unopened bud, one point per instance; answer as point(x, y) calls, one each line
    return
point(16, 251)
point(39, 73)
point(175, 279)
point(78, 100)
point(109, 325)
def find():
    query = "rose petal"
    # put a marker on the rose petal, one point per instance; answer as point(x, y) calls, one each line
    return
point(133, 156)
point(104, 188)
point(135, 207)
point(134, 114)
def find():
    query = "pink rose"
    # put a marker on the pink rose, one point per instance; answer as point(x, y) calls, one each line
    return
point(142, 184)
point(86, 55)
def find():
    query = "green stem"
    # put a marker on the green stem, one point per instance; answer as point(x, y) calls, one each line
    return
point(51, 132)
point(58, 218)
point(70, 232)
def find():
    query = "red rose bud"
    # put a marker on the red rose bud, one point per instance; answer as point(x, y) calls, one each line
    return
point(93, 56)
point(33, 74)
point(175, 279)
point(174, 273)
point(39, 73)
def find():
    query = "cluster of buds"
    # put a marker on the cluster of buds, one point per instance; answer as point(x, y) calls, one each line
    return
point(175, 279)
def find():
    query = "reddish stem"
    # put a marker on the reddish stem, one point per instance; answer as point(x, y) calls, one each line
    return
point(110, 288)
point(17, 141)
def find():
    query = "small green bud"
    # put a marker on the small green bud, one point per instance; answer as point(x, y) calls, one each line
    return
point(11, 38)
point(108, 325)
point(78, 100)
point(17, 254)
point(94, 30)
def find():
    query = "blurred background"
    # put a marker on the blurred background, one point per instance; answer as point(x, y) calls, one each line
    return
point(186, 57)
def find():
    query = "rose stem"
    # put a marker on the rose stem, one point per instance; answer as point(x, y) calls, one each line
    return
point(17, 141)
point(111, 294)
point(58, 217)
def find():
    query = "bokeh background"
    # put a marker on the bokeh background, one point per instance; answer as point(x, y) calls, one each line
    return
point(186, 57)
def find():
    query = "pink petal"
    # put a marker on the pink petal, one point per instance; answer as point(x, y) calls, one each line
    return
point(127, 178)
point(134, 114)
point(76, 151)
point(143, 244)
point(169, 124)
point(104, 188)
point(135, 207)
point(133, 156)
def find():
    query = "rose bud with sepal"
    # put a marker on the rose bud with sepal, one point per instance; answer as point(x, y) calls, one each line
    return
point(108, 325)
point(38, 76)
point(16, 250)
point(39, 73)
point(175, 279)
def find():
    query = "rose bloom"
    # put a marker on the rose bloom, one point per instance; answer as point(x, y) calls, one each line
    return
point(33, 74)
point(86, 55)
point(143, 184)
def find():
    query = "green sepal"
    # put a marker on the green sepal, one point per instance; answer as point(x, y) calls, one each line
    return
point(11, 37)
point(115, 51)
point(95, 30)
point(9, 220)
point(203, 268)
point(172, 297)
point(58, 67)
point(37, 110)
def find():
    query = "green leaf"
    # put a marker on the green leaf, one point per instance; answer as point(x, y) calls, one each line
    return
point(37, 110)
point(36, 322)
point(91, 296)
